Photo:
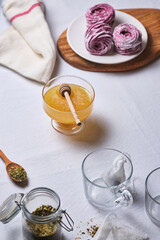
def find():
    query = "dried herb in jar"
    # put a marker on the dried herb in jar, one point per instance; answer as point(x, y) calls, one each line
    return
point(45, 231)
point(44, 210)
point(18, 173)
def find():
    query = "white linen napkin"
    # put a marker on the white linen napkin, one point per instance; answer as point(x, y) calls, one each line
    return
point(27, 46)
point(113, 229)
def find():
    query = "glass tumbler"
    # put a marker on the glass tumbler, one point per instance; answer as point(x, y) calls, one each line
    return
point(152, 196)
point(97, 191)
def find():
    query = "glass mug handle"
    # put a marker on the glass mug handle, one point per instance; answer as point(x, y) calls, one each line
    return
point(125, 199)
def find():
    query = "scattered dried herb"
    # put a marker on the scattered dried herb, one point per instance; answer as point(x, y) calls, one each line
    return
point(18, 173)
point(88, 232)
point(92, 230)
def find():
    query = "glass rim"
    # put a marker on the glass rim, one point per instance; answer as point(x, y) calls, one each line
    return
point(41, 219)
point(111, 187)
point(146, 184)
point(61, 76)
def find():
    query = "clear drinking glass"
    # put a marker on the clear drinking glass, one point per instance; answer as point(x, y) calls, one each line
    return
point(98, 193)
point(152, 196)
point(63, 120)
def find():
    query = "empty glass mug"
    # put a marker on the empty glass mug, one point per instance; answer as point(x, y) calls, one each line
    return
point(106, 176)
point(152, 196)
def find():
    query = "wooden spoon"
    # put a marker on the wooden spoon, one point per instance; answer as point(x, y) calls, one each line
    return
point(10, 165)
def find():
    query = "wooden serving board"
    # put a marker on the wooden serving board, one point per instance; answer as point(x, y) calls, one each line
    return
point(150, 18)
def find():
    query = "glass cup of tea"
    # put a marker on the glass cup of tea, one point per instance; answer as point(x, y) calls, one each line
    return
point(56, 107)
point(152, 196)
point(106, 176)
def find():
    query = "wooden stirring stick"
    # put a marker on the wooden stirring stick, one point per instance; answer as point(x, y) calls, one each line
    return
point(65, 91)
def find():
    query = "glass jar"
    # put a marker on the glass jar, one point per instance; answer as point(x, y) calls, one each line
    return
point(37, 227)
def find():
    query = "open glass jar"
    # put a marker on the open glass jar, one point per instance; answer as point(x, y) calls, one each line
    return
point(41, 214)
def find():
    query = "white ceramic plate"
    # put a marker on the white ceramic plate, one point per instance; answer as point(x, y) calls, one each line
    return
point(76, 32)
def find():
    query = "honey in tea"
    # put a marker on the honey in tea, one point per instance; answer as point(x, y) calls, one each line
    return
point(57, 108)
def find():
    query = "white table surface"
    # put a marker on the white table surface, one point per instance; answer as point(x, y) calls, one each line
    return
point(126, 116)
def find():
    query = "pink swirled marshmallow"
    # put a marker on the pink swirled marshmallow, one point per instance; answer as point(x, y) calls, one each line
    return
point(98, 39)
point(127, 39)
point(100, 13)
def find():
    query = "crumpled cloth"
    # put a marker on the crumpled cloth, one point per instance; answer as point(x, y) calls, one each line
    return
point(113, 229)
point(27, 46)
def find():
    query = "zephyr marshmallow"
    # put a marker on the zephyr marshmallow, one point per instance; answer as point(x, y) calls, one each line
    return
point(127, 39)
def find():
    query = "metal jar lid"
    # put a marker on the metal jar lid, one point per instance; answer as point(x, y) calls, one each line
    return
point(10, 207)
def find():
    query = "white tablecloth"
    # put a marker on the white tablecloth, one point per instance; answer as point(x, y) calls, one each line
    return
point(126, 116)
